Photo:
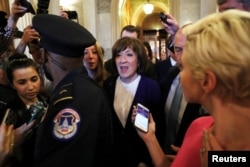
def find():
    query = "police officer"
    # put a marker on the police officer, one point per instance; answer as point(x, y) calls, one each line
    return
point(76, 129)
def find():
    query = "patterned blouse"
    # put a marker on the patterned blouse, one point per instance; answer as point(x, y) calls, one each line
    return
point(5, 38)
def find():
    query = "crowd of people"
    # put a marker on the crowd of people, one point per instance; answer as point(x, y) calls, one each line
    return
point(65, 106)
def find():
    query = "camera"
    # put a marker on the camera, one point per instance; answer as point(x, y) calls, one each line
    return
point(163, 17)
point(28, 5)
point(71, 14)
point(42, 6)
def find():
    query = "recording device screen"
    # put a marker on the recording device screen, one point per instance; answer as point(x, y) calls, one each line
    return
point(142, 117)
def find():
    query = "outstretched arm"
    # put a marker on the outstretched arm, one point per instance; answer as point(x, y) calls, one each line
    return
point(172, 26)
point(17, 11)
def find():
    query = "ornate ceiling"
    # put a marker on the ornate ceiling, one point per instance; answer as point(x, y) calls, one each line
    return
point(133, 13)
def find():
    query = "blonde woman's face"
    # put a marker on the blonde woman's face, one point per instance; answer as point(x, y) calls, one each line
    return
point(90, 58)
point(191, 87)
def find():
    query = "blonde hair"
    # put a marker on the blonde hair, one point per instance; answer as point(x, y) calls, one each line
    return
point(221, 43)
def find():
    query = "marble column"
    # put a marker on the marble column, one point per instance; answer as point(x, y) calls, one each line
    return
point(89, 13)
point(54, 7)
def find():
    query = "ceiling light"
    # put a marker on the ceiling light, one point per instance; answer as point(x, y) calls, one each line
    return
point(148, 8)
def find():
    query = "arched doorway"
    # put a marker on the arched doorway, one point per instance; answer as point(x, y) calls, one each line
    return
point(126, 12)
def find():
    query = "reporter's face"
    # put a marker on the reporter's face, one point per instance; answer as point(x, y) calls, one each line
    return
point(230, 4)
point(26, 82)
point(90, 58)
point(191, 87)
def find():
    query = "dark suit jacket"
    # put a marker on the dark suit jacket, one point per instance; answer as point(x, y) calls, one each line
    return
point(191, 112)
point(129, 147)
point(162, 68)
point(7, 93)
point(110, 67)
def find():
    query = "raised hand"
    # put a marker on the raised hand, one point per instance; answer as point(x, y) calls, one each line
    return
point(209, 143)
point(171, 26)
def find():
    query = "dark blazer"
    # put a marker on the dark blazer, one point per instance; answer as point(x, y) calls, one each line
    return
point(162, 68)
point(110, 67)
point(129, 147)
point(191, 112)
point(7, 93)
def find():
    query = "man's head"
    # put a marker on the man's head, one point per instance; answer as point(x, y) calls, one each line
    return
point(233, 4)
point(179, 44)
point(130, 31)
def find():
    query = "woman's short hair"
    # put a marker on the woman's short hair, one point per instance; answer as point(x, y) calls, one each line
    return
point(221, 43)
point(136, 45)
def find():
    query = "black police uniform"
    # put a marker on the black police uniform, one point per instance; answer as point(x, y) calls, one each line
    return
point(76, 130)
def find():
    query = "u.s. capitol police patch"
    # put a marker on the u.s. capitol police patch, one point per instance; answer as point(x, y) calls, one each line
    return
point(66, 124)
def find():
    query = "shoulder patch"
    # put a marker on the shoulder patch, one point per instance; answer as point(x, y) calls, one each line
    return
point(66, 124)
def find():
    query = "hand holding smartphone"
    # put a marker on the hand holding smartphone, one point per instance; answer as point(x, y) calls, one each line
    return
point(142, 118)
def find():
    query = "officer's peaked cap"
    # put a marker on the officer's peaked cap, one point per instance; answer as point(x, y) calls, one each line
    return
point(62, 36)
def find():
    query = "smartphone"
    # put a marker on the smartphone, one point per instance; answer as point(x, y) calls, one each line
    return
point(33, 117)
point(28, 5)
point(163, 17)
point(142, 117)
point(36, 112)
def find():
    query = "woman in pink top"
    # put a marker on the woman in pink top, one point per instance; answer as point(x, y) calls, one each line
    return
point(215, 73)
